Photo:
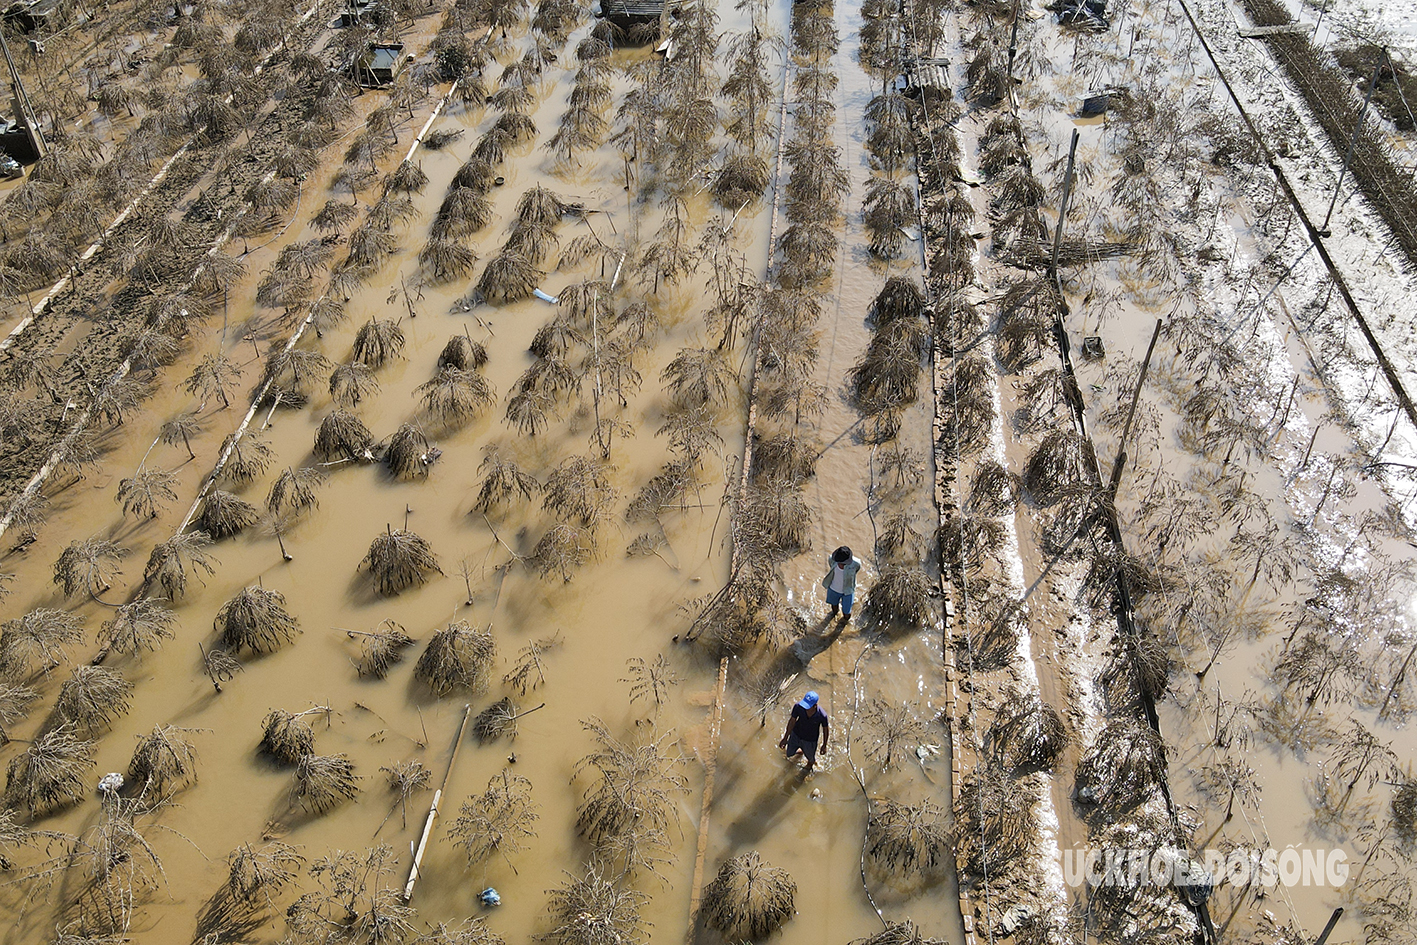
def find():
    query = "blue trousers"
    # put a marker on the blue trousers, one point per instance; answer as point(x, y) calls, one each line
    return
point(834, 598)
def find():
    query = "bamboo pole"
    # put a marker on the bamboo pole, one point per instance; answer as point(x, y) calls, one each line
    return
point(716, 723)
point(433, 808)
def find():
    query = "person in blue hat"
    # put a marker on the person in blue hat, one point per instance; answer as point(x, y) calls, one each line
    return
point(806, 723)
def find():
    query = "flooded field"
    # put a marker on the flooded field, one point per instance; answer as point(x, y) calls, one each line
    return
point(505, 468)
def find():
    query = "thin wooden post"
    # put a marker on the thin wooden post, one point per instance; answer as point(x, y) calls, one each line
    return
point(1131, 412)
point(433, 809)
point(1063, 210)
point(710, 767)
point(1328, 929)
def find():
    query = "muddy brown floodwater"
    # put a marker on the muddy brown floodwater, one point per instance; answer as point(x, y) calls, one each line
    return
point(614, 609)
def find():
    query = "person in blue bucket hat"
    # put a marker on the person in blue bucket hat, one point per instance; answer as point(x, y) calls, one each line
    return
point(806, 722)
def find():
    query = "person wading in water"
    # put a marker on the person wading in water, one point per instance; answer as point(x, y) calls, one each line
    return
point(840, 581)
point(803, 725)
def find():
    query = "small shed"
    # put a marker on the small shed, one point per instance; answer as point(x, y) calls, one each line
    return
point(628, 14)
point(37, 16)
point(16, 141)
point(927, 81)
point(380, 64)
point(356, 12)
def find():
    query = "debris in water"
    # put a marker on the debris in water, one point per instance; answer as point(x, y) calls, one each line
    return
point(1082, 14)
point(1092, 347)
point(110, 783)
point(544, 297)
point(490, 897)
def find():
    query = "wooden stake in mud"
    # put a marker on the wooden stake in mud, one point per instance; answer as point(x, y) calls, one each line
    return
point(1328, 929)
point(1063, 211)
point(433, 809)
point(1131, 412)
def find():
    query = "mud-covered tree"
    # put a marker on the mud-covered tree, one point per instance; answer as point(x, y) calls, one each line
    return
point(886, 377)
point(88, 566)
point(286, 736)
point(289, 372)
point(528, 672)
point(377, 342)
point(562, 549)
point(509, 277)
point(409, 452)
point(497, 821)
point(292, 493)
point(458, 657)
point(139, 626)
point(911, 838)
point(256, 619)
point(1061, 462)
point(354, 894)
point(895, 731)
point(343, 437)
point(749, 86)
point(403, 779)
point(593, 909)
point(381, 648)
point(146, 493)
point(164, 760)
point(224, 514)
point(456, 395)
point(901, 596)
point(15, 704)
point(171, 561)
point(1317, 667)
point(502, 481)
point(651, 681)
point(446, 260)
point(247, 459)
point(889, 207)
point(1232, 780)
point(1028, 732)
point(51, 773)
point(91, 698)
point(579, 490)
point(628, 807)
point(989, 835)
point(38, 641)
point(323, 782)
point(1123, 767)
point(399, 559)
point(699, 377)
point(181, 429)
point(243, 903)
point(498, 719)
point(218, 665)
point(352, 383)
point(748, 898)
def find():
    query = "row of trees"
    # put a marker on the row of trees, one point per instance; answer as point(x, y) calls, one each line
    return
point(1307, 581)
point(53, 772)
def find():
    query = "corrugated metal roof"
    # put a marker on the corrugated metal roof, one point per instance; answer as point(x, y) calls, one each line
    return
point(929, 73)
point(631, 9)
